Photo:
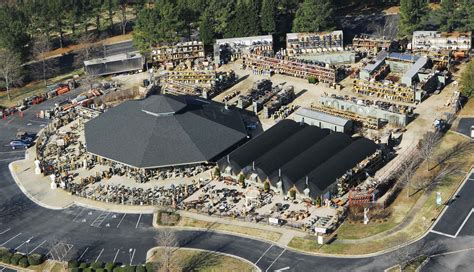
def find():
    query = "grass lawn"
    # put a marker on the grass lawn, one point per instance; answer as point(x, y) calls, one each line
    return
point(414, 264)
point(421, 222)
point(263, 234)
point(203, 261)
point(399, 208)
point(33, 88)
point(468, 109)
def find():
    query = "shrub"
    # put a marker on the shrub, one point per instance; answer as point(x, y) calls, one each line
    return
point(83, 265)
point(293, 193)
point(23, 262)
point(118, 269)
point(35, 259)
point(99, 270)
point(15, 258)
point(73, 264)
point(88, 269)
point(109, 266)
point(97, 265)
point(242, 180)
point(3, 251)
point(6, 258)
point(150, 267)
point(74, 269)
point(312, 80)
point(140, 268)
point(129, 268)
point(266, 186)
point(217, 172)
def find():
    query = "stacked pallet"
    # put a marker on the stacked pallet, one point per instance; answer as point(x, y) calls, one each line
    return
point(178, 53)
point(304, 43)
point(385, 90)
point(282, 98)
point(262, 65)
point(371, 43)
point(192, 82)
point(366, 121)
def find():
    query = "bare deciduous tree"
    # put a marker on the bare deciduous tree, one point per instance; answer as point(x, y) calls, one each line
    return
point(10, 69)
point(123, 15)
point(87, 42)
point(166, 239)
point(406, 173)
point(92, 74)
point(40, 47)
point(427, 146)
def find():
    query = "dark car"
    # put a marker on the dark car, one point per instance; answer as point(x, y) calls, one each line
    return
point(15, 144)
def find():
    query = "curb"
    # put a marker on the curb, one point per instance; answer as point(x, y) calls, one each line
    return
point(148, 255)
point(16, 268)
point(27, 194)
point(75, 202)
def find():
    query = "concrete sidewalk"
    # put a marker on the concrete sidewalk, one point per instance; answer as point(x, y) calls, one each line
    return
point(37, 188)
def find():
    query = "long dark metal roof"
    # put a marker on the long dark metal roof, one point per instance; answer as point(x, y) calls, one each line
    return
point(295, 153)
point(326, 174)
point(192, 130)
point(290, 148)
point(264, 142)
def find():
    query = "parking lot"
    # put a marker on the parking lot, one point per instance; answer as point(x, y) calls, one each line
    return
point(103, 219)
point(458, 213)
point(48, 245)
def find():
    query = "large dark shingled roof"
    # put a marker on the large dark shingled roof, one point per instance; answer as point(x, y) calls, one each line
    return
point(164, 131)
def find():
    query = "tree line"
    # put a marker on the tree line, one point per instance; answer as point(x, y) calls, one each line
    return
point(450, 16)
point(26, 24)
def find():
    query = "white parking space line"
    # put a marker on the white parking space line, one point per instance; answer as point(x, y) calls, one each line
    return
point(13, 151)
point(12, 159)
point(443, 234)
point(275, 259)
point(38, 121)
point(27, 240)
point(38, 246)
point(100, 219)
point(133, 255)
point(80, 257)
point(263, 254)
point(97, 259)
point(79, 214)
point(118, 225)
point(5, 231)
point(10, 239)
point(459, 229)
point(138, 221)
point(116, 254)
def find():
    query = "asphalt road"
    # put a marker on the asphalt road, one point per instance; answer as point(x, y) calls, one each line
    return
point(91, 235)
point(464, 126)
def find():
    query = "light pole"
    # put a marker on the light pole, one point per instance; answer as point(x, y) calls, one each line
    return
point(130, 254)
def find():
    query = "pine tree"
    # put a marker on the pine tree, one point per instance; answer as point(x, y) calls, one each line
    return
point(445, 15)
point(465, 15)
point(268, 16)
point(205, 29)
point(245, 21)
point(412, 16)
point(314, 16)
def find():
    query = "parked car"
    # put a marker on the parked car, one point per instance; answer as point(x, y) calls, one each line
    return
point(15, 144)
point(25, 136)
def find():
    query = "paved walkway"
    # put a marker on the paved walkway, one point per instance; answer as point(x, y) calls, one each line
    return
point(286, 234)
point(37, 188)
